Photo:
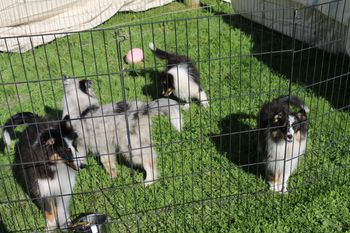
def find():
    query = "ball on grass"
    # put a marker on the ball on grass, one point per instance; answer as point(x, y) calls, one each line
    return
point(134, 56)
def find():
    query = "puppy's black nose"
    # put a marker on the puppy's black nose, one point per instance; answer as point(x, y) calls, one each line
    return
point(289, 136)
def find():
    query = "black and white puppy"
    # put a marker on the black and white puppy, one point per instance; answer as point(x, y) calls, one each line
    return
point(181, 77)
point(282, 138)
point(46, 163)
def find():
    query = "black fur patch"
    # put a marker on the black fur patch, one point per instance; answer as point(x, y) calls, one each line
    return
point(145, 110)
point(167, 81)
point(67, 130)
point(88, 110)
point(19, 119)
point(84, 86)
point(136, 116)
point(121, 107)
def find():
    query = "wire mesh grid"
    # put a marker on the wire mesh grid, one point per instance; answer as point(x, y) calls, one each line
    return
point(211, 175)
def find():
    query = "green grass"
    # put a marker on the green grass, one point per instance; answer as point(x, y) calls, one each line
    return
point(206, 184)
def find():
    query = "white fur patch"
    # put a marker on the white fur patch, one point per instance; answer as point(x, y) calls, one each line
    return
point(306, 108)
point(283, 158)
point(7, 138)
point(60, 187)
point(75, 153)
point(291, 120)
point(61, 184)
point(185, 87)
point(152, 46)
point(204, 99)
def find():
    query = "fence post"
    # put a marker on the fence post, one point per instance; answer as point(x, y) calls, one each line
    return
point(192, 3)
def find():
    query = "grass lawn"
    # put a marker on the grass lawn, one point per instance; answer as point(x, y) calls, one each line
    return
point(210, 176)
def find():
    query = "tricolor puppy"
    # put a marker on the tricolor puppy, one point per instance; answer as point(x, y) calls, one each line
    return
point(46, 162)
point(282, 138)
point(123, 127)
point(181, 77)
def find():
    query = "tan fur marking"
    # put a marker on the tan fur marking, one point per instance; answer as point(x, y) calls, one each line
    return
point(51, 216)
point(50, 141)
point(113, 173)
point(275, 179)
point(110, 169)
point(278, 178)
point(56, 158)
point(168, 91)
point(151, 163)
point(72, 165)
point(298, 136)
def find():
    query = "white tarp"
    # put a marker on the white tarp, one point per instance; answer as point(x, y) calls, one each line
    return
point(323, 23)
point(40, 17)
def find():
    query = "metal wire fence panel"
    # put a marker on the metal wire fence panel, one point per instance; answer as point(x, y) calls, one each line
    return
point(168, 164)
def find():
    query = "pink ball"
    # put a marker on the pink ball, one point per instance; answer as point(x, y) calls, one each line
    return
point(134, 56)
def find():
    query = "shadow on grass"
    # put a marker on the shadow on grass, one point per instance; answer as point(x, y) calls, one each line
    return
point(237, 141)
point(3, 228)
point(323, 73)
point(53, 113)
point(2, 145)
point(153, 89)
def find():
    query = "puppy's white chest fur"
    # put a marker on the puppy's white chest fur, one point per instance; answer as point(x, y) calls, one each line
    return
point(61, 184)
point(283, 157)
point(283, 149)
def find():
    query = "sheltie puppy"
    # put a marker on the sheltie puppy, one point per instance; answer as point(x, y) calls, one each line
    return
point(282, 138)
point(181, 78)
point(46, 164)
point(123, 126)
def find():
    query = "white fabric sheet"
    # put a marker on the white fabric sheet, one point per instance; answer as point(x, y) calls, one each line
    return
point(40, 17)
point(323, 23)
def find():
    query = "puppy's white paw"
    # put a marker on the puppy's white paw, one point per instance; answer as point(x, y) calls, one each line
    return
point(186, 106)
point(278, 188)
point(205, 104)
point(148, 182)
point(51, 226)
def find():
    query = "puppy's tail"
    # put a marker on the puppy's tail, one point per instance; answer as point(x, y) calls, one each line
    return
point(294, 100)
point(158, 52)
point(14, 121)
point(167, 107)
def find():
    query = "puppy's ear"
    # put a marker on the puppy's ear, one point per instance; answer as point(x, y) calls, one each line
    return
point(85, 86)
point(48, 138)
point(50, 141)
point(301, 115)
point(277, 116)
point(88, 84)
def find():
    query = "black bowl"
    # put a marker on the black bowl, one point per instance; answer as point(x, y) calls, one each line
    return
point(89, 223)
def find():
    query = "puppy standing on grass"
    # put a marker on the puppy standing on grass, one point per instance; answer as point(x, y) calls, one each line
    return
point(105, 129)
point(181, 77)
point(46, 162)
point(282, 138)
